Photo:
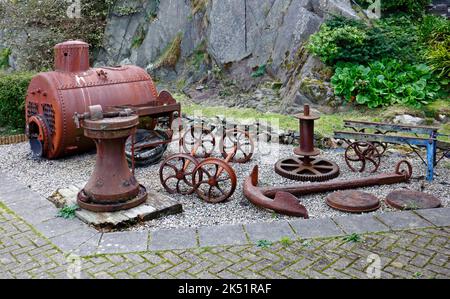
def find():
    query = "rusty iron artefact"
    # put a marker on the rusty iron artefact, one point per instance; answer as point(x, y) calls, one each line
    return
point(282, 199)
point(353, 201)
point(305, 168)
point(281, 202)
point(412, 200)
point(212, 179)
point(112, 186)
point(361, 155)
point(53, 98)
point(414, 136)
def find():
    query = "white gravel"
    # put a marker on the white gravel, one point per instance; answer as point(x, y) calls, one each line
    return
point(44, 177)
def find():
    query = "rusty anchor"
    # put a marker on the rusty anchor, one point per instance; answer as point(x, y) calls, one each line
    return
point(283, 200)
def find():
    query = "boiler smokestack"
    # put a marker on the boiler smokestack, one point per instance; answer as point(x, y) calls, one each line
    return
point(72, 56)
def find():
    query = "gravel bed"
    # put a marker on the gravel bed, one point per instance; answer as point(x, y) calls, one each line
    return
point(44, 177)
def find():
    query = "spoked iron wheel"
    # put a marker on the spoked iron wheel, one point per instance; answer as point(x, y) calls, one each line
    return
point(176, 174)
point(361, 155)
point(218, 182)
point(198, 141)
point(237, 143)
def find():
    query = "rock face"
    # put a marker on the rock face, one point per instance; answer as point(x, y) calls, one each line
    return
point(407, 119)
point(238, 36)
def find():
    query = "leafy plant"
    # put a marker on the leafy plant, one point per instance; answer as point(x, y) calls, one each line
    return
point(435, 33)
point(138, 39)
point(306, 243)
point(263, 243)
point(4, 58)
point(384, 83)
point(68, 212)
point(13, 89)
point(355, 238)
point(286, 241)
point(259, 72)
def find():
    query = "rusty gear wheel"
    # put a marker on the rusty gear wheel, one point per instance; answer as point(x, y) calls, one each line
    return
point(317, 170)
point(218, 183)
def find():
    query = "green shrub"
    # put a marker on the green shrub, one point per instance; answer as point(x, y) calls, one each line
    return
point(343, 40)
point(384, 83)
point(434, 32)
point(13, 88)
point(338, 44)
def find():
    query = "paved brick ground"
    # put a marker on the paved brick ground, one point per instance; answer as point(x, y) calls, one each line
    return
point(417, 253)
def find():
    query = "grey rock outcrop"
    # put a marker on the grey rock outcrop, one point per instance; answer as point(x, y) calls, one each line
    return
point(239, 36)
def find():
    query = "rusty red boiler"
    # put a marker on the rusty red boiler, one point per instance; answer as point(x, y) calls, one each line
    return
point(53, 98)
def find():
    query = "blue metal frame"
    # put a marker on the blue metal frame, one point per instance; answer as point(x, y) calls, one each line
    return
point(429, 143)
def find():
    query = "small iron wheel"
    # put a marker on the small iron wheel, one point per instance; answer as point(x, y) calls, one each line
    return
point(176, 173)
point(238, 143)
point(360, 155)
point(203, 137)
point(218, 182)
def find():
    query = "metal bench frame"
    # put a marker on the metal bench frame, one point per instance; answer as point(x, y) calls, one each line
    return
point(381, 135)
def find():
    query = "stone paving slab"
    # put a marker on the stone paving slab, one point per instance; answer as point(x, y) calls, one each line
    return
point(316, 228)
point(173, 239)
point(360, 224)
point(222, 235)
point(403, 220)
point(71, 241)
point(40, 215)
point(157, 205)
point(9, 185)
point(59, 226)
point(123, 242)
point(270, 232)
point(439, 217)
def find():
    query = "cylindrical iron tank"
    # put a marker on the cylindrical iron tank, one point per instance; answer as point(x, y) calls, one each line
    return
point(53, 98)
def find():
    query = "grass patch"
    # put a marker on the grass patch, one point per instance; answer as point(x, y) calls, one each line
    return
point(286, 241)
point(198, 6)
point(325, 126)
point(172, 53)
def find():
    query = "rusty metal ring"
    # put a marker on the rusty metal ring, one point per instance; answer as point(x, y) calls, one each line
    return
point(407, 172)
point(44, 132)
point(213, 179)
point(239, 145)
